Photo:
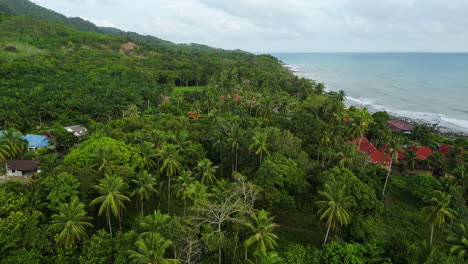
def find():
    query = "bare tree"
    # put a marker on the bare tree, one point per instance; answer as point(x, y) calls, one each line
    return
point(192, 251)
point(219, 211)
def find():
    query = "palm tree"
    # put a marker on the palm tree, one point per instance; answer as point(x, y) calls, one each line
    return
point(171, 165)
point(271, 257)
point(147, 153)
point(155, 222)
point(263, 236)
point(235, 136)
point(111, 199)
point(70, 222)
point(151, 250)
point(260, 144)
point(394, 147)
point(427, 252)
point(102, 158)
point(183, 186)
point(458, 240)
point(11, 144)
point(145, 186)
point(438, 211)
point(198, 192)
point(206, 171)
point(410, 162)
point(333, 207)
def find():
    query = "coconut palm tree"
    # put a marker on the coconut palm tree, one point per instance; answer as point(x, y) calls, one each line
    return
point(154, 223)
point(235, 136)
point(438, 211)
point(262, 229)
point(427, 252)
point(103, 158)
point(458, 240)
point(148, 154)
point(271, 257)
point(11, 144)
point(410, 162)
point(151, 250)
point(171, 165)
point(70, 222)
point(183, 186)
point(334, 206)
point(206, 171)
point(198, 192)
point(145, 186)
point(111, 199)
point(394, 146)
point(260, 144)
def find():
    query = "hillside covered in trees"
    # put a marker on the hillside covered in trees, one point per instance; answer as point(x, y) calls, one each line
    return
point(208, 156)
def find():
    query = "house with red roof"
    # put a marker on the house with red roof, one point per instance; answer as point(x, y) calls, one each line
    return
point(422, 153)
point(400, 126)
point(379, 157)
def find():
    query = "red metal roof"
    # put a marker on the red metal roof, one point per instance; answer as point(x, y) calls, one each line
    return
point(424, 151)
point(397, 125)
point(378, 157)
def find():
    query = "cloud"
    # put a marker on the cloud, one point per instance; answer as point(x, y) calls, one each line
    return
point(293, 25)
point(100, 22)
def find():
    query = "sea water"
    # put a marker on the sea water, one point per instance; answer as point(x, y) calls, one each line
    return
point(426, 87)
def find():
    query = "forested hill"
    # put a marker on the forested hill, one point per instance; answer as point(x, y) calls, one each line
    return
point(207, 156)
point(27, 8)
point(72, 75)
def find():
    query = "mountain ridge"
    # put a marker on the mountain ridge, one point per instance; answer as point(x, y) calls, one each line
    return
point(28, 8)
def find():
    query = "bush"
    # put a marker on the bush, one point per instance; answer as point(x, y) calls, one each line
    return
point(422, 185)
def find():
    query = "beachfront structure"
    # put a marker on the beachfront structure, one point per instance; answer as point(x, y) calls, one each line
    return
point(400, 126)
point(77, 130)
point(21, 168)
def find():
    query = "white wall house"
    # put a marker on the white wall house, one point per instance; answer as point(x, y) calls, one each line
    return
point(21, 168)
point(77, 130)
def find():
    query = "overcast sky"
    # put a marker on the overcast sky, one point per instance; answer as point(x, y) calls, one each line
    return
point(286, 25)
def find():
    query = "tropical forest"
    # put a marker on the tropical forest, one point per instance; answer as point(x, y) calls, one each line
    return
point(193, 154)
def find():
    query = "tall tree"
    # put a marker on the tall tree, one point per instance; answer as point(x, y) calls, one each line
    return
point(171, 165)
point(394, 147)
point(148, 155)
point(111, 199)
point(439, 210)
point(145, 186)
point(183, 186)
point(206, 171)
point(151, 249)
point(154, 223)
point(333, 207)
point(70, 223)
point(260, 144)
point(262, 229)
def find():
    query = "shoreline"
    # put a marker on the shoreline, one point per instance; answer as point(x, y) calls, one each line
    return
point(446, 132)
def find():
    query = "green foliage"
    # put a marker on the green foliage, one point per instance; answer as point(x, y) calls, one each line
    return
point(97, 249)
point(280, 179)
point(422, 185)
point(20, 232)
point(61, 188)
point(101, 153)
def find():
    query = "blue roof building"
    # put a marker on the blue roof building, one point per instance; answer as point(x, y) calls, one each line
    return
point(37, 141)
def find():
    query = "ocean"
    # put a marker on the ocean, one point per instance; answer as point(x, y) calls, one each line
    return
point(429, 88)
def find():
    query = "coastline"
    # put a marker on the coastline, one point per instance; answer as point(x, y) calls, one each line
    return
point(450, 133)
